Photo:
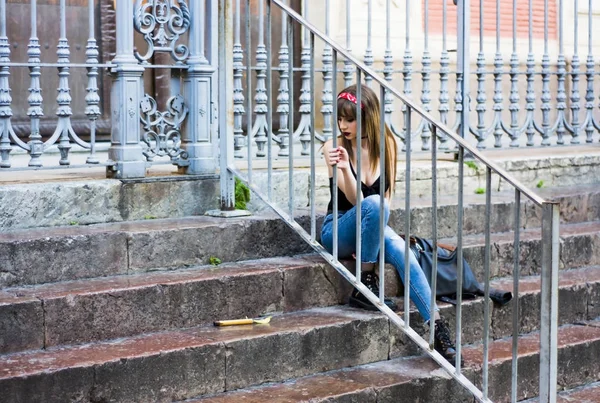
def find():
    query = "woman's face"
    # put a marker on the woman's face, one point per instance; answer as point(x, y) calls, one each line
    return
point(347, 127)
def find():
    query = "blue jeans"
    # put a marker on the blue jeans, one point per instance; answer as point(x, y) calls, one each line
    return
point(420, 292)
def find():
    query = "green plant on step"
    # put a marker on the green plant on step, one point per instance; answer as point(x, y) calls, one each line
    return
point(540, 184)
point(480, 191)
point(215, 261)
point(242, 195)
point(149, 217)
point(472, 165)
point(73, 222)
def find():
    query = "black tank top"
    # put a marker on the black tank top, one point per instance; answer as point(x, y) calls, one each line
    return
point(343, 203)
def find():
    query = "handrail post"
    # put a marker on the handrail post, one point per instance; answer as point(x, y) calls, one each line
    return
point(226, 105)
point(463, 63)
point(549, 302)
point(126, 151)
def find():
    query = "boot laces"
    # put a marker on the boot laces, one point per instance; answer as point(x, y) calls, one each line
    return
point(371, 281)
point(443, 336)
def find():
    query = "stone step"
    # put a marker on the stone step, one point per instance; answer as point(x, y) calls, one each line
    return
point(579, 298)
point(119, 306)
point(577, 204)
point(64, 196)
point(420, 379)
point(578, 351)
point(37, 256)
point(583, 394)
point(578, 243)
point(416, 379)
point(138, 246)
point(175, 365)
point(57, 199)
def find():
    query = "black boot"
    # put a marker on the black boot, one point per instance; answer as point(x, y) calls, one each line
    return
point(443, 344)
point(371, 281)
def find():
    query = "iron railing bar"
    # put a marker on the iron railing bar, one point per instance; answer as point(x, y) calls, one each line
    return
point(515, 302)
point(486, 281)
point(107, 66)
point(69, 167)
point(434, 235)
point(290, 34)
point(226, 179)
point(380, 70)
point(407, 251)
point(415, 107)
point(334, 140)
point(549, 302)
point(382, 191)
point(358, 203)
point(249, 110)
point(269, 85)
point(313, 214)
point(459, 258)
point(393, 317)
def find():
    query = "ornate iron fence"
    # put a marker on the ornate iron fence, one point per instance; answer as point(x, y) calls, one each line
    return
point(529, 86)
point(526, 90)
point(141, 132)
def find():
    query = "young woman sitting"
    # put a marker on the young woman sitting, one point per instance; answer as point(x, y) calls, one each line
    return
point(345, 157)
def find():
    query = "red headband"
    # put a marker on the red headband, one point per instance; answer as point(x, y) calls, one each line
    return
point(351, 98)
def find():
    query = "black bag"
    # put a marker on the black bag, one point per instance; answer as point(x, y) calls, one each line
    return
point(447, 266)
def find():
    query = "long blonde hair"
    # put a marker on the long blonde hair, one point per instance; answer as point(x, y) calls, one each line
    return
point(370, 127)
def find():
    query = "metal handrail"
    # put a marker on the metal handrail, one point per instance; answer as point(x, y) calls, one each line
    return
point(550, 219)
point(410, 103)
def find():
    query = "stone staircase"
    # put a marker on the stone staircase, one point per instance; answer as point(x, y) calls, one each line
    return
point(123, 311)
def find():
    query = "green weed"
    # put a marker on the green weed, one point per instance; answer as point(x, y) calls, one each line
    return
point(472, 165)
point(242, 195)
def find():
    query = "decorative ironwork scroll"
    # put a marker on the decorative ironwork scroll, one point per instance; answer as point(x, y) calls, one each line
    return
point(162, 22)
point(162, 136)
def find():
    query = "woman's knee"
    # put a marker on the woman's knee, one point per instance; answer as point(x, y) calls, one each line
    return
point(372, 204)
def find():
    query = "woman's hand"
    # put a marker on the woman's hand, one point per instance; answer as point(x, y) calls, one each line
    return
point(339, 156)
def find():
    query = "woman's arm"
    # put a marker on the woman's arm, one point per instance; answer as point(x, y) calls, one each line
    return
point(346, 181)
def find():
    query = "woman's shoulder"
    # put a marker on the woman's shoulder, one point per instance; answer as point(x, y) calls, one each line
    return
point(327, 145)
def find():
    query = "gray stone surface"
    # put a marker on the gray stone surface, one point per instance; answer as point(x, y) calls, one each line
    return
point(126, 312)
point(286, 355)
point(552, 170)
point(254, 295)
point(577, 365)
point(162, 377)
point(103, 316)
point(245, 239)
point(580, 250)
point(107, 200)
point(593, 301)
point(122, 306)
point(435, 388)
point(100, 201)
point(44, 259)
point(319, 285)
point(529, 308)
point(21, 324)
point(50, 204)
point(527, 381)
point(74, 386)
